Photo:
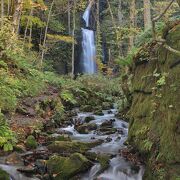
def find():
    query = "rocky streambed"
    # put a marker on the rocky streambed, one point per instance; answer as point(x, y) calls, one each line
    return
point(89, 147)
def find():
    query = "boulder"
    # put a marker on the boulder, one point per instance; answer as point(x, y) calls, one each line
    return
point(107, 130)
point(14, 159)
point(85, 128)
point(66, 167)
point(99, 112)
point(86, 108)
point(4, 175)
point(103, 159)
point(89, 118)
point(107, 124)
point(58, 137)
point(66, 147)
point(107, 105)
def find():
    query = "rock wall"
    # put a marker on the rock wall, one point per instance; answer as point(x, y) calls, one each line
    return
point(154, 115)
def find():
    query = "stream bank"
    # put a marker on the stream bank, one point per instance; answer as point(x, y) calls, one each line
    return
point(154, 114)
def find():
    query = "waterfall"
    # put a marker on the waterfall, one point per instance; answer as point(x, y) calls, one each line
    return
point(88, 57)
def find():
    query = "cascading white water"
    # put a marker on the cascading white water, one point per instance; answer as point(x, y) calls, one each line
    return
point(88, 46)
point(86, 15)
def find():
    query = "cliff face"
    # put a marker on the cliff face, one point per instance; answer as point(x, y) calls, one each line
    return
point(155, 112)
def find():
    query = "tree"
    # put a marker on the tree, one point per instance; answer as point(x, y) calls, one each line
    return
point(73, 35)
point(147, 14)
point(2, 12)
point(18, 4)
point(45, 34)
point(132, 22)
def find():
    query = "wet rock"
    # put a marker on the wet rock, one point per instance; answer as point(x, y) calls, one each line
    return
point(124, 126)
point(27, 170)
point(86, 108)
point(107, 124)
point(120, 131)
point(85, 128)
point(107, 105)
point(31, 142)
point(118, 138)
point(135, 168)
point(107, 131)
point(66, 167)
point(110, 112)
point(99, 113)
point(41, 166)
point(14, 159)
point(57, 137)
point(66, 147)
point(108, 139)
point(4, 175)
point(61, 131)
point(103, 159)
point(89, 118)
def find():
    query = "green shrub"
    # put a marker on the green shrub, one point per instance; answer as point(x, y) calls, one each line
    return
point(7, 137)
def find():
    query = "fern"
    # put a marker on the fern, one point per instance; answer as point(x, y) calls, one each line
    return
point(67, 96)
point(7, 137)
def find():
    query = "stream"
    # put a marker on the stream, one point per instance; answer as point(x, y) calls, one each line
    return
point(119, 168)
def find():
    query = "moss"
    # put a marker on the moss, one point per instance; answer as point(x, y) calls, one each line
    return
point(31, 142)
point(72, 147)
point(62, 168)
point(154, 117)
point(59, 138)
point(86, 127)
point(4, 175)
point(98, 112)
point(86, 108)
point(103, 159)
point(107, 105)
point(89, 118)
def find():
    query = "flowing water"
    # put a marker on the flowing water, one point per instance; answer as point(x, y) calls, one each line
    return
point(88, 57)
point(119, 168)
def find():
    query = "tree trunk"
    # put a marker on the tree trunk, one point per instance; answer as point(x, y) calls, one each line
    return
point(8, 8)
point(45, 34)
point(73, 35)
point(132, 22)
point(147, 14)
point(69, 17)
point(17, 15)
point(2, 12)
point(30, 30)
point(120, 15)
point(28, 21)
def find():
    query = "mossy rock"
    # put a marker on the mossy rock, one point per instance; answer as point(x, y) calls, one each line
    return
point(72, 147)
point(89, 119)
point(63, 168)
point(99, 113)
point(86, 127)
point(86, 108)
point(107, 105)
point(59, 138)
point(103, 159)
point(4, 175)
point(31, 142)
